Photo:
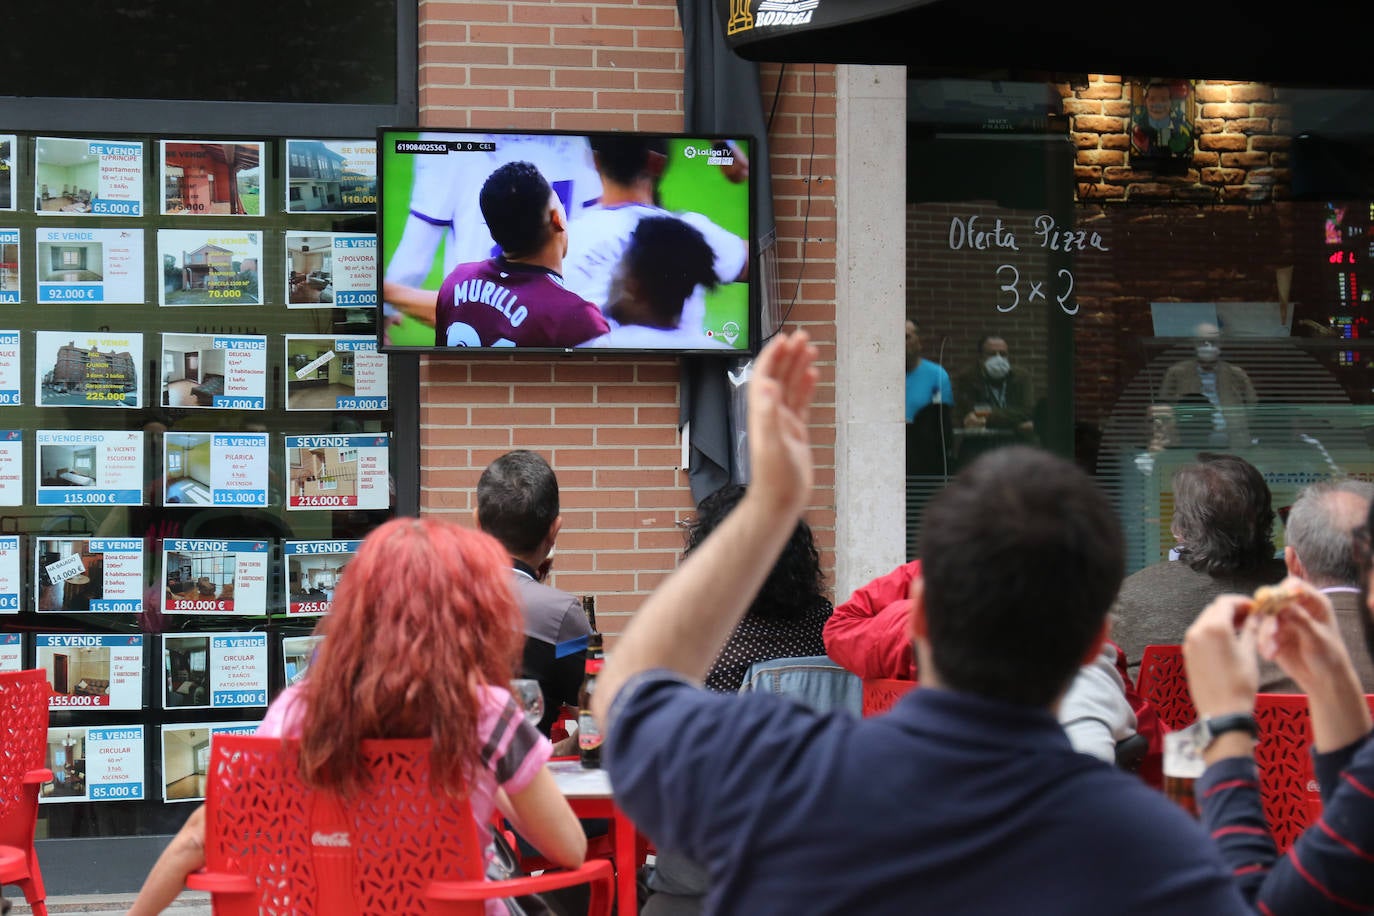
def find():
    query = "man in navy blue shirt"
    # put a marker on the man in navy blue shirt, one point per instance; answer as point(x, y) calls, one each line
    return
point(966, 797)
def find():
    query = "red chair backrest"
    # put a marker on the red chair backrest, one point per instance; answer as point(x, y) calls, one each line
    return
point(315, 854)
point(23, 743)
point(880, 693)
point(1288, 787)
point(1162, 681)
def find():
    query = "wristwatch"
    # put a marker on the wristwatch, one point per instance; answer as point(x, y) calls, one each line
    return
point(1212, 729)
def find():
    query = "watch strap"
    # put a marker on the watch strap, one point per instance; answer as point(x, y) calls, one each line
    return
point(1217, 726)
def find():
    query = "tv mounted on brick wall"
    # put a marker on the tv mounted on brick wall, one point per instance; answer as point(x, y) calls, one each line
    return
point(553, 241)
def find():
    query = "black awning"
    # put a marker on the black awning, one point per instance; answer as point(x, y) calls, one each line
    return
point(1310, 44)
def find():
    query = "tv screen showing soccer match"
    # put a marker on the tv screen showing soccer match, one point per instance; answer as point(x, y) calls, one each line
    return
point(604, 243)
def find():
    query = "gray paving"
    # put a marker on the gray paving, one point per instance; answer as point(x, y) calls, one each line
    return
point(190, 903)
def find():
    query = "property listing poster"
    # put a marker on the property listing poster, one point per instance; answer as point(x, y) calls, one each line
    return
point(211, 178)
point(331, 270)
point(297, 654)
point(92, 467)
point(9, 143)
point(78, 369)
point(331, 176)
point(205, 576)
point(328, 372)
point(9, 266)
point(92, 671)
point(76, 177)
point(215, 670)
point(9, 369)
point(95, 764)
point(88, 576)
point(312, 569)
point(185, 753)
point(10, 573)
point(11, 467)
point(90, 265)
point(11, 652)
point(216, 469)
point(209, 267)
point(222, 371)
point(338, 472)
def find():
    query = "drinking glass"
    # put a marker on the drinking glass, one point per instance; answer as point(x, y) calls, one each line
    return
point(526, 692)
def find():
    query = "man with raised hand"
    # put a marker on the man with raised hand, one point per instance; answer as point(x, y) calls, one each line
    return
point(966, 797)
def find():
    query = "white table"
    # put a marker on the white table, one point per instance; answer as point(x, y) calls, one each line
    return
point(589, 794)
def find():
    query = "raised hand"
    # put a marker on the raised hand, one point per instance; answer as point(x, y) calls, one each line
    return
point(780, 392)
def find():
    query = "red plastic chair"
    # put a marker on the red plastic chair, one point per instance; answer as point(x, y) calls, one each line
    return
point(1162, 681)
point(880, 693)
point(23, 742)
point(275, 846)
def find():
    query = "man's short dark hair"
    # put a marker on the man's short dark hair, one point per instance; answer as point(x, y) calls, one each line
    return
point(668, 259)
point(515, 204)
point(1320, 525)
point(517, 500)
point(1022, 557)
point(624, 158)
point(1223, 514)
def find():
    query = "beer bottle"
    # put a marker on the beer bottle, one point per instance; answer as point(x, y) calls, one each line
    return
point(588, 732)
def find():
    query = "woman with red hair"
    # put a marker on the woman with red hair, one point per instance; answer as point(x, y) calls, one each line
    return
point(430, 659)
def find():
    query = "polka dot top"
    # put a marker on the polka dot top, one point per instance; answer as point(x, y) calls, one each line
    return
point(757, 639)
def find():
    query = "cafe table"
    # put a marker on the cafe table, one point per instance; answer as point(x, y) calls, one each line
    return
point(589, 794)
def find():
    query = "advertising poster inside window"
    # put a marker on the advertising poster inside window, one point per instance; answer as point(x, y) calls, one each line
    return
point(79, 369)
point(205, 576)
point(313, 569)
point(204, 267)
point(88, 576)
point(9, 369)
point(91, 467)
point(297, 655)
point(8, 145)
point(92, 671)
point(77, 177)
point(186, 756)
point(328, 372)
point(215, 371)
point(11, 467)
point(331, 176)
point(215, 670)
point(215, 469)
point(211, 178)
point(94, 764)
point(331, 270)
point(96, 266)
point(338, 472)
point(9, 266)
point(11, 652)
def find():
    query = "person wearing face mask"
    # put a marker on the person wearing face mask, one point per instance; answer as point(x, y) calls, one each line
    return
point(992, 396)
point(1206, 381)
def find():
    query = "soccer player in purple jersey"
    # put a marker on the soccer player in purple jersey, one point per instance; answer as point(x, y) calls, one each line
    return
point(517, 299)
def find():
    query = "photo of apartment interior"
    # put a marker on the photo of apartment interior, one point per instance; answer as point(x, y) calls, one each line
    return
point(313, 383)
point(9, 268)
point(185, 761)
point(203, 178)
point(297, 653)
point(79, 671)
point(66, 758)
point(312, 578)
point(187, 468)
point(318, 471)
point(205, 575)
point(66, 172)
point(63, 588)
point(66, 466)
point(192, 371)
point(71, 262)
point(187, 663)
point(309, 273)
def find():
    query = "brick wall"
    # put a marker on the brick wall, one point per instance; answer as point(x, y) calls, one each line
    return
point(608, 425)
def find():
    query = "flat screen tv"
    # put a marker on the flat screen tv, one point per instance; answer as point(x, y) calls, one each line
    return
point(552, 241)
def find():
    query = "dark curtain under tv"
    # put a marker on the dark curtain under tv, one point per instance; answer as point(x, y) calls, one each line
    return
point(722, 95)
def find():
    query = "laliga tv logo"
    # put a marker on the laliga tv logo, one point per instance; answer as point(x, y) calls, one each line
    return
point(770, 13)
point(715, 155)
